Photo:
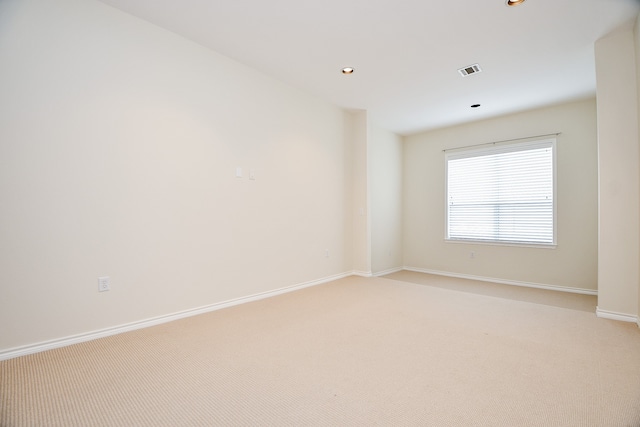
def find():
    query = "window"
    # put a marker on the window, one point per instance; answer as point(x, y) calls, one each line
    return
point(502, 194)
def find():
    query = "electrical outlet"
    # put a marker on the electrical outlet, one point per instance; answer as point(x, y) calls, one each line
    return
point(326, 253)
point(104, 284)
point(472, 255)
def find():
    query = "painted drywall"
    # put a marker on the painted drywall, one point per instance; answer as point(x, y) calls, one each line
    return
point(637, 52)
point(572, 264)
point(119, 143)
point(619, 179)
point(361, 201)
point(386, 200)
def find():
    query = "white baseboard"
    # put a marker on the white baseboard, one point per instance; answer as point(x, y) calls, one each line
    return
point(389, 271)
point(361, 273)
point(74, 339)
point(506, 282)
point(606, 314)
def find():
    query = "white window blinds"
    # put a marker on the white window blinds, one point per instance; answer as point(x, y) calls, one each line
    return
point(502, 194)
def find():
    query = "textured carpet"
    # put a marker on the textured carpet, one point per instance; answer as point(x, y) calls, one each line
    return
point(357, 351)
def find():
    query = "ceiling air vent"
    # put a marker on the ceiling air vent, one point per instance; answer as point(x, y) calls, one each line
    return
point(470, 69)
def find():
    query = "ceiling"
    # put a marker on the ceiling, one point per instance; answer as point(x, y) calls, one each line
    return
point(406, 53)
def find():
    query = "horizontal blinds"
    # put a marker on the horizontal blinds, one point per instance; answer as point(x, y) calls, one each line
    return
point(502, 195)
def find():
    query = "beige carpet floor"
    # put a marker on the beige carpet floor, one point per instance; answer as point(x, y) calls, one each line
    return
point(518, 293)
point(354, 352)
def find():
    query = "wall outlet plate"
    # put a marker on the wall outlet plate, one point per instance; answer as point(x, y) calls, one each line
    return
point(104, 284)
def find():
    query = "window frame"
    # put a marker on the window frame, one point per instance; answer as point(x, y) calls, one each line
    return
point(497, 148)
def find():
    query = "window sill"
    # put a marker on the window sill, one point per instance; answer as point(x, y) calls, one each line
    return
point(494, 243)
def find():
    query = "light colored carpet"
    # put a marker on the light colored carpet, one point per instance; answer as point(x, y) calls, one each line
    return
point(357, 351)
point(519, 293)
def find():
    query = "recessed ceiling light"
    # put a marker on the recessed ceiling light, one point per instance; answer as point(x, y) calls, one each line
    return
point(514, 2)
point(475, 105)
point(347, 70)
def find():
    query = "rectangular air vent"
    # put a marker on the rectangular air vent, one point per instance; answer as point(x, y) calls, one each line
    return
point(470, 69)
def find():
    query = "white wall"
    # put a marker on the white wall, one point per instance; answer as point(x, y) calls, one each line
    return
point(619, 165)
point(361, 200)
point(118, 148)
point(573, 264)
point(386, 200)
point(637, 53)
